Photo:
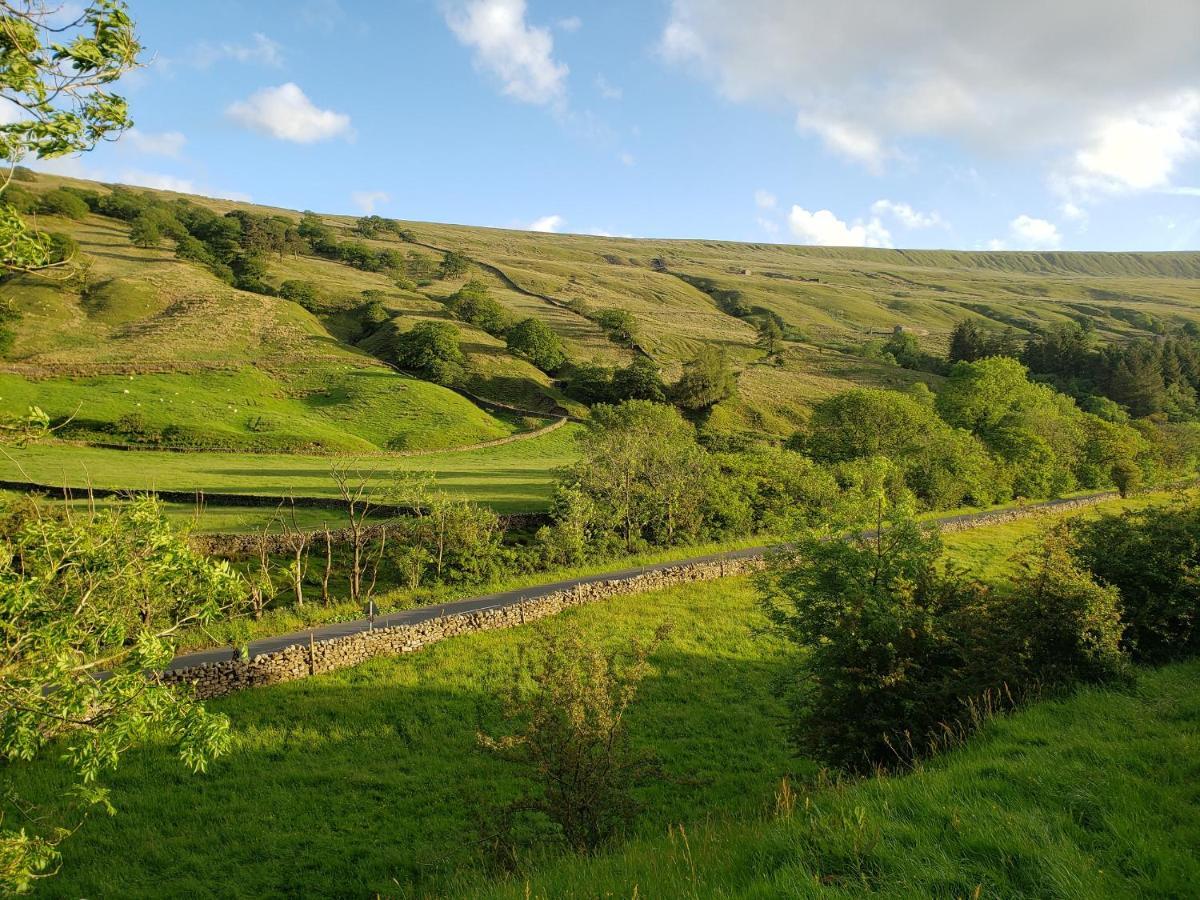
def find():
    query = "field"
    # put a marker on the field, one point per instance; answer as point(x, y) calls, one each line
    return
point(513, 477)
point(377, 768)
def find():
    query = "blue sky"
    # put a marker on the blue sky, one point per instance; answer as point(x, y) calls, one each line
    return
point(929, 123)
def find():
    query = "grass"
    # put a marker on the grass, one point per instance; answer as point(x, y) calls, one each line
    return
point(369, 780)
point(513, 477)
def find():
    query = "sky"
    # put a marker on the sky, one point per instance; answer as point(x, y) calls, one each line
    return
point(1027, 124)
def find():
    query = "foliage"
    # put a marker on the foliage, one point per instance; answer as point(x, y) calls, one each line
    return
point(568, 729)
point(473, 304)
point(79, 596)
point(619, 324)
point(61, 202)
point(970, 343)
point(1152, 557)
point(453, 264)
point(533, 339)
point(707, 379)
point(770, 335)
point(58, 79)
point(431, 350)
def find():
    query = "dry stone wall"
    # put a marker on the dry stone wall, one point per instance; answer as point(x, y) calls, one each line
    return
point(302, 660)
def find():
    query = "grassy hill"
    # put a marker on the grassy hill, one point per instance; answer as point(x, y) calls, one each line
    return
point(150, 350)
point(370, 780)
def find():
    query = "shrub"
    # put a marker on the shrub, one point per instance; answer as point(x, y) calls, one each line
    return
point(453, 265)
point(1064, 628)
point(640, 380)
point(619, 324)
point(471, 303)
point(533, 339)
point(566, 717)
point(1152, 557)
point(872, 616)
point(301, 292)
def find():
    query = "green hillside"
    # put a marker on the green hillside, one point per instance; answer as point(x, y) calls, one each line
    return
point(147, 349)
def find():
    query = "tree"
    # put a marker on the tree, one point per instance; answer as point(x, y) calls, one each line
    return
point(57, 79)
point(620, 325)
point(770, 335)
point(567, 729)
point(453, 265)
point(145, 232)
point(302, 292)
point(644, 472)
point(473, 304)
point(706, 380)
point(431, 350)
point(533, 339)
point(80, 595)
point(967, 342)
point(640, 380)
point(65, 203)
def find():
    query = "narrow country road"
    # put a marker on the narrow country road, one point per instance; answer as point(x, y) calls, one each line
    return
point(509, 598)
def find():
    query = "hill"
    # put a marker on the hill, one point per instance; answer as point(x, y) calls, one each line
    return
point(149, 349)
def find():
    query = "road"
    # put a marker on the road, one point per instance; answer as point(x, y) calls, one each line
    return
point(510, 598)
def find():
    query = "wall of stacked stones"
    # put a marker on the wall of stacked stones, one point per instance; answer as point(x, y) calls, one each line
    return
point(303, 660)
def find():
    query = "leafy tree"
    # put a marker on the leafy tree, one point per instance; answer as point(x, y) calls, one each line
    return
point(301, 292)
point(145, 232)
point(533, 339)
point(81, 595)
point(453, 265)
point(472, 303)
point(943, 466)
point(57, 79)
point(566, 724)
point(644, 473)
point(9, 317)
point(620, 325)
point(640, 380)
point(707, 380)
point(430, 349)
point(61, 202)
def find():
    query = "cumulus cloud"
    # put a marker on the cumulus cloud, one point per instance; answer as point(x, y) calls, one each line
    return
point(1056, 80)
point(549, 224)
point(825, 229)
point(166, 143)
point(906, 215)
point(765, 199)
point(284, 112)
point(368, 200)
point(79, 167)
point(1028, 233)
point(520, 56)
point(570, 24)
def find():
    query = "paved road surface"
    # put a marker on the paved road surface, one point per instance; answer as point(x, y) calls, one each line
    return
point(510, 598)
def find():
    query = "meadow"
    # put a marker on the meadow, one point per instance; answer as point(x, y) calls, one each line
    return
point(378, 768)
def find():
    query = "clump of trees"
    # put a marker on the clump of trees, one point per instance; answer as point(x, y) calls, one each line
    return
point(472, 303)
point(707, 379)
point(431, 350)
point(534, 340)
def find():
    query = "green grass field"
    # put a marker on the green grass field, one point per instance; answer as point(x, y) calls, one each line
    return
point(369, 780)
point(513, 477)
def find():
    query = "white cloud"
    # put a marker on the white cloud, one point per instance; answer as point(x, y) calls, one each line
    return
point(285, 112)
point(519, 55)
point(1073, 212)
point(166, 143)
point(906, 215)
point(368, 200)
point(608, 90)
point(626, 158)
point(262, 51)
point(825, 229)
point(1049, 80)
point(771, 228)
point(600, 232)
point(570, 24)
point(765, 199)
point(1028, 233)
point(549, 224)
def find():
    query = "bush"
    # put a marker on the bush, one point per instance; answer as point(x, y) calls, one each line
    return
point(706, 380)
point(1064, 628)
point(879, 659)
point(301, 292)
point(566, 717)
point(471, 303)
point(1152, 557)
point(533, 339)
point(619, 324)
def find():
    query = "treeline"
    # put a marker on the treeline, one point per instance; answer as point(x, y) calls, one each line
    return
point(901, 654)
